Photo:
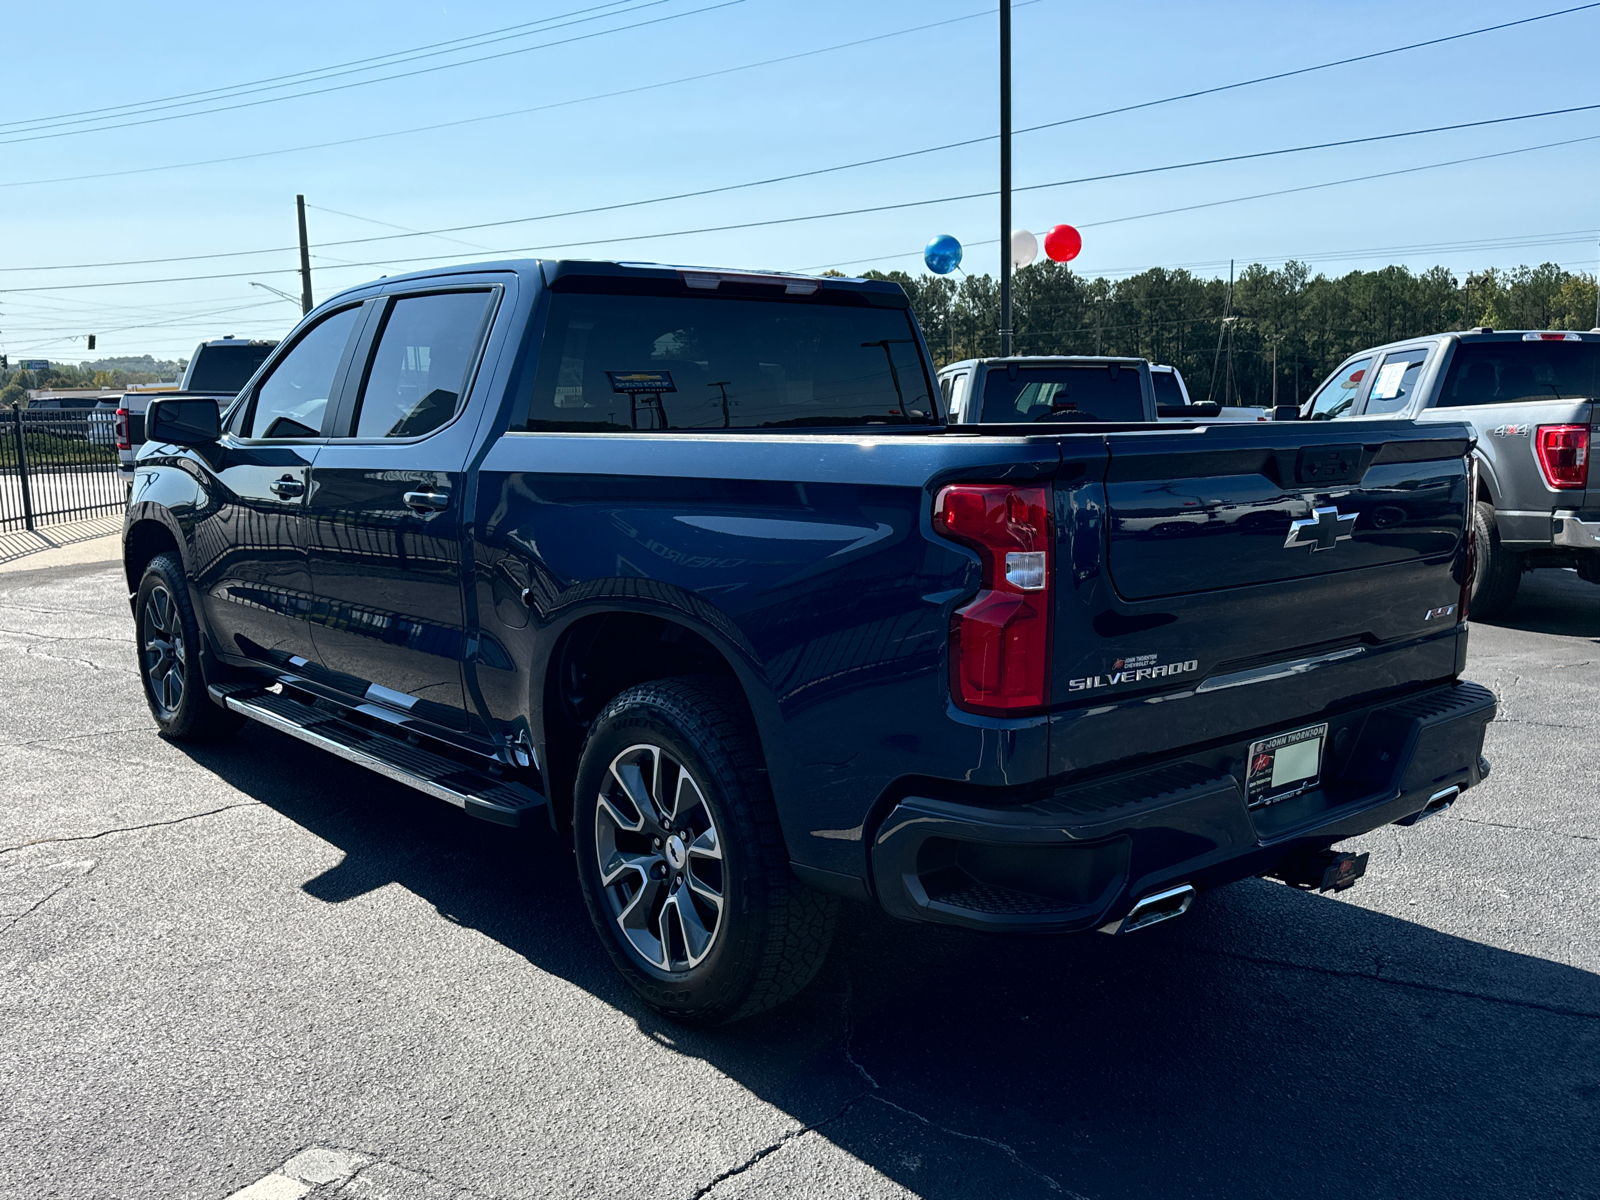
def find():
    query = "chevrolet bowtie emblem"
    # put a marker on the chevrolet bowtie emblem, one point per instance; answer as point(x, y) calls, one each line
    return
point(1323, 530)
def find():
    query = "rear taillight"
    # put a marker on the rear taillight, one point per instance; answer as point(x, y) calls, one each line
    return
point(1564, 455)
point(1000, 643)
point(123, 441)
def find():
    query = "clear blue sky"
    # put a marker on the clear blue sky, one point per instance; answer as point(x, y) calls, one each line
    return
point(891, 95)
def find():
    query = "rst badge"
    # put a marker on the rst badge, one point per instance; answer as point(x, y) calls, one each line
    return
point(1433, 614)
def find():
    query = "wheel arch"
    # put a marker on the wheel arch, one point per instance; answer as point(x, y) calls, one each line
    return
point(602, 652)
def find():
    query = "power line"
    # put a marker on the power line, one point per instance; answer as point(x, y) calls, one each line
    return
point(897, 206)
point(1104, 177)
point(1253, 196)
point(582, 37)
point(327, 72)
point(516, 112)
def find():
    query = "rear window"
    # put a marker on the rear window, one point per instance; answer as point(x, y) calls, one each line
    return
point(1505, 372)
point(1097, 392)
point(225, 368)
point(626, 363)
point(1167, 389)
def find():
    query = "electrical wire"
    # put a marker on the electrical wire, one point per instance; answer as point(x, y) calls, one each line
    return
point(328, 72)
point(1104, 177)
point(582, 37)
point(517, 112)
point(1310, 187)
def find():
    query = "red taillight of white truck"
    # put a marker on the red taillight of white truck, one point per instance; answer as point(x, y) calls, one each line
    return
point(124, 442)
point(1564, 455)
point(1000, 642)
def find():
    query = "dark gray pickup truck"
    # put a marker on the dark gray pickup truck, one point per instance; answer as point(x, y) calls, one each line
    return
point(1530, 397)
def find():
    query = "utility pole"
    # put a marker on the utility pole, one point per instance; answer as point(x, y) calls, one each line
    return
point(1276, 338)
point(305, 258)
point(1225, 328)
point(1005, 178)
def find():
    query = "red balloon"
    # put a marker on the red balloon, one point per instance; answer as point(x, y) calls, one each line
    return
point(1063, 243)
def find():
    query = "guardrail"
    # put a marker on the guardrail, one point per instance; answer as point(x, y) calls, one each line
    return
point(57, 466)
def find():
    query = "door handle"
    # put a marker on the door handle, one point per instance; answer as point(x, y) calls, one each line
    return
point(285, 488)
point(426, 502)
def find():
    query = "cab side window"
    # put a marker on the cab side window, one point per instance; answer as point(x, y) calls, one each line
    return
point(291, 401)
point(1395, 381)
point(1339, 395)
point(419, 370)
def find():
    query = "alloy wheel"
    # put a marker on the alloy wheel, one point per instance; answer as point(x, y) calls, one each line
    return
point(165, 661)
point(660, 857)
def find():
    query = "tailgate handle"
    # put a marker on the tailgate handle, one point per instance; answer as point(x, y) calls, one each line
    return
point(1328, 464)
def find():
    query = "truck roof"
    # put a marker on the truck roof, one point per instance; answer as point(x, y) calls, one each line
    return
point(549, 271)
point(1482, 333)
point(1045, 360)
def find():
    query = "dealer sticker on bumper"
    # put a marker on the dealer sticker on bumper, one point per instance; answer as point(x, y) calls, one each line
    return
point(1284, 766)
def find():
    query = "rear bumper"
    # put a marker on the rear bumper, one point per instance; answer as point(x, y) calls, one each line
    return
point(1082, 857)
point(1574, 533)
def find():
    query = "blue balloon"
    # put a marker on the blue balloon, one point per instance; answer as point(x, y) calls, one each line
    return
point(942, 254)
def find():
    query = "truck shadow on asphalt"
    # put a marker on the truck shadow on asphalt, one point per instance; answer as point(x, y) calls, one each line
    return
point(1554, 601)
point(1271, 1044)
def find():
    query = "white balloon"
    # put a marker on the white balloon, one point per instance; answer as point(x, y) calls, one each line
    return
point(1024, 248)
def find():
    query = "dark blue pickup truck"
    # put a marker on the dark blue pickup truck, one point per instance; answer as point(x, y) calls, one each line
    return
point(690, 564)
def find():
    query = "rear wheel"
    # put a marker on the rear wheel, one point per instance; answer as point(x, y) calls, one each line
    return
point(1499, 571)
point(681, 858)
point(169, 657)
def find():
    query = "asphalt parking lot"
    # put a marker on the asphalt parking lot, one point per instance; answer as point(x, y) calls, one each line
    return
point(254, 966)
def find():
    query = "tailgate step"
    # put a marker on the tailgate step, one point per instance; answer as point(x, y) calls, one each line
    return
point(478, 792)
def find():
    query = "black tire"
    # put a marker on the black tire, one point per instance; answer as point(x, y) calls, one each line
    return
point(168, 641)
point(1498, 572)
point(770, 932)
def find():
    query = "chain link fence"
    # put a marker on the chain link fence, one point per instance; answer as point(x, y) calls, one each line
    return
point(56, 467)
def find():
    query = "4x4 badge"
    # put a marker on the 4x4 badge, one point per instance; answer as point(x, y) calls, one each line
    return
point(1323, 530)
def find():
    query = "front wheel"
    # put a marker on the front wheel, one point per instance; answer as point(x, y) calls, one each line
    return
point(681, 859)
point(169, 657)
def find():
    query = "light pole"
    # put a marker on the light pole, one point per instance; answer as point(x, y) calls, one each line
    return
point(1005, 177)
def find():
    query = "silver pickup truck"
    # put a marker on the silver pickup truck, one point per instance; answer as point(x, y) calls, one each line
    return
point(1530, 397)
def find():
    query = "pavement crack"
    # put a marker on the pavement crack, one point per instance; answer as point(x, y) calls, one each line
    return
point(1577, 837)
point(89, 837)
point(774, 1147)
point(1559, 1010)
point(43, 900)
point(875, 1092)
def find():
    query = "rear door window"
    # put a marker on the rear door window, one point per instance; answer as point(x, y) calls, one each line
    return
point(425, 353)
point(1395, 381)
point(292, 400)
point(1339, 395)
point(1508, 372)
point(1093, 392)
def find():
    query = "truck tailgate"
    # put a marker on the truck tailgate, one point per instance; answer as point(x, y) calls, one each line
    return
point(1253, 576)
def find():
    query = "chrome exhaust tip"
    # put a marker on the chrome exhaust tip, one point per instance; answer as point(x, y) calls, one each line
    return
point(1153, 909)
point(1436, 804)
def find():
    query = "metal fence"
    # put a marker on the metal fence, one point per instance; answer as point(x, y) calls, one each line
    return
point(57, 466)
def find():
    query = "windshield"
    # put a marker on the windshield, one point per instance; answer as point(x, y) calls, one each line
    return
point(1505, 372)
point(224, 368)
point(693, 362)
point(1092, 392)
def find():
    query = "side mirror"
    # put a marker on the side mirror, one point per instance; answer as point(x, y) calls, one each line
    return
point(1286, 412)
point(182, 421)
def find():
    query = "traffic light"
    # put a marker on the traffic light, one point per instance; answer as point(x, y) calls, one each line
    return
point(5, 362)
point(91, 341)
